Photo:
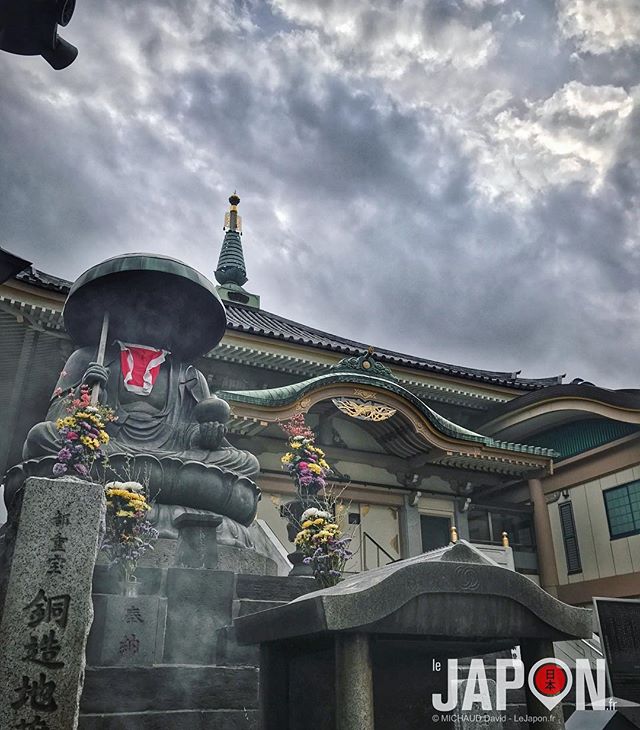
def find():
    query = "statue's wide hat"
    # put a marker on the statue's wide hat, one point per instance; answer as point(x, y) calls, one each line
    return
point(151, 300)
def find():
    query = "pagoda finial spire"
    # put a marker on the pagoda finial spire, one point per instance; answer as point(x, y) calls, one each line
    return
point(232, 221)
point(231, 268)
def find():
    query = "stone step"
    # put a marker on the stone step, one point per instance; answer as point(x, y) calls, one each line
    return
point(169, 687)
point(230, 653)
point(247, 562)
point(245, 606)
point(179, 720)
point(272, 587)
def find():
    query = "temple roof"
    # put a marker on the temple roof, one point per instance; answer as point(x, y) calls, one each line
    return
point(266, 324)
point(41, 280)
point(272, 326)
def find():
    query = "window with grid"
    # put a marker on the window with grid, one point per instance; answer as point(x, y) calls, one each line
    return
point(623, 509)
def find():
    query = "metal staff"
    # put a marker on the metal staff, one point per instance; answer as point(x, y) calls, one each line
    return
point(102, 346)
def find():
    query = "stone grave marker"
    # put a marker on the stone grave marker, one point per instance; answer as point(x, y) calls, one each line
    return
point(619, 621)
point(48, 611)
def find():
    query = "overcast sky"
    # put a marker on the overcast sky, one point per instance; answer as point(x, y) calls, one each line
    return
point(457, 179)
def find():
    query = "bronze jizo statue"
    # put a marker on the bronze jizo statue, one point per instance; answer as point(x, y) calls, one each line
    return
point(160, 315)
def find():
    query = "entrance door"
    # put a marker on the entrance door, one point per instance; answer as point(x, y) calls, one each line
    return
point(436, 532)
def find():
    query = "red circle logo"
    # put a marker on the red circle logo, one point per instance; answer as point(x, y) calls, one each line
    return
point(550, 679)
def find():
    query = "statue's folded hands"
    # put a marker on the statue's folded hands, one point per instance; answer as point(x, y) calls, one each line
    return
point(95, 375)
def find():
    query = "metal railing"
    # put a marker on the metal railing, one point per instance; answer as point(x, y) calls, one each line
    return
point(366, 539)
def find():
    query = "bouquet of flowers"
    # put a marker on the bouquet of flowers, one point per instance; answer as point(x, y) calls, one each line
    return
point(325, 549)
point(83, 435)
point(305, 462)
point(129, 534)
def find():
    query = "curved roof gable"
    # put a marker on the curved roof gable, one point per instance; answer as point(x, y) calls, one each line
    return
point(275, 398)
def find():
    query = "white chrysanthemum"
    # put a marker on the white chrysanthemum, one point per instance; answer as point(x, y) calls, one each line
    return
point(129, 486)
point(313, 513)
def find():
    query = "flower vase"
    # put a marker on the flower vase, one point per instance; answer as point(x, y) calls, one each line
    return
point(130, 586)
point(300, 568)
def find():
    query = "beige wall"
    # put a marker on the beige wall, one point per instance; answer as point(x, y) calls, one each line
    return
point(601, 557)
point(436, 506)
point(268, 510)
point(380, 522)
point(382, 525)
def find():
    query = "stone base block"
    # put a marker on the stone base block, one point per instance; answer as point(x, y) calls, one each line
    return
point(182, 720)
point(200, 603)
point(127, 631)
point(168, 689)
point(273, 588)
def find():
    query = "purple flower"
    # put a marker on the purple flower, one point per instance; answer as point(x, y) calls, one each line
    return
point(59, 469)
point(64, 454)
point(81, 469)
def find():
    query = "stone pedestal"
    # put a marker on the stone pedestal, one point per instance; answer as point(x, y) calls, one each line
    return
point(48, 611)
point(197, 540)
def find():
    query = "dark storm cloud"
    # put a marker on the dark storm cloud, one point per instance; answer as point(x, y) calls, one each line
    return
point(457, 180)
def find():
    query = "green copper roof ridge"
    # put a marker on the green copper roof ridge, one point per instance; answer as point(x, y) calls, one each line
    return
point(284, 394)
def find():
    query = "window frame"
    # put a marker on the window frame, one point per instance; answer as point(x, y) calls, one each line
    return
point(605, 492)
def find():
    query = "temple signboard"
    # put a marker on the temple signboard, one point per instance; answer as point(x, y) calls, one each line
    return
point(47, 611)
point(619, 621)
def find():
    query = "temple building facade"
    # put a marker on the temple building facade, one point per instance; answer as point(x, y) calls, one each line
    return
point(422, 451)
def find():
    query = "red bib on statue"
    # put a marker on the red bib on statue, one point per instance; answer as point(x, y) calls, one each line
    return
point(140, 366)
